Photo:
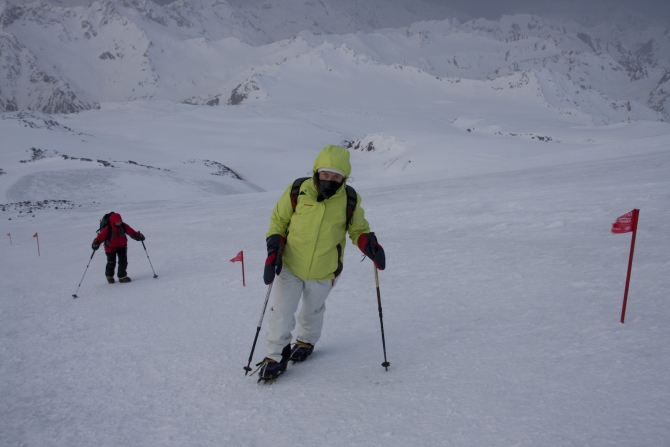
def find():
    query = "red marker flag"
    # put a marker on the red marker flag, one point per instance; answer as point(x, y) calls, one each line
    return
point(240, 257)
point(626, 224)
point(38, 244)
point(10, 239)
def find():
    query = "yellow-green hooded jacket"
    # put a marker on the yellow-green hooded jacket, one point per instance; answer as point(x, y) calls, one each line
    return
point(316, 232)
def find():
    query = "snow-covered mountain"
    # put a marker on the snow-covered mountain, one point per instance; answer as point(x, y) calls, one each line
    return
point(26, 86)
point(214, 52)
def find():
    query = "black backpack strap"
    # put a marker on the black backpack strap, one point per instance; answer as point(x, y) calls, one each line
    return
point(295, 190)
point(352, 201)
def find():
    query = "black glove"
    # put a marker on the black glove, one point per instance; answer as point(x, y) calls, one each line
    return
point(368, 244)
point(139, 236)
point(273, 262)
point(95, 245)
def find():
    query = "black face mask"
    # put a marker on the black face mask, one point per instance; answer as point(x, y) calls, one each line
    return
point(327, 188)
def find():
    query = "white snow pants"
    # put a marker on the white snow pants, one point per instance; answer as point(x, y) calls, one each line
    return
point(288, 289)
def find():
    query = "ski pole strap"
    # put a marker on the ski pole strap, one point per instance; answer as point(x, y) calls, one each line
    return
point(373, 243)
point(280, 253)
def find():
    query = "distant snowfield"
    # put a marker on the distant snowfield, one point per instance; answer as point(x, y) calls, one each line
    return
point(501, 298)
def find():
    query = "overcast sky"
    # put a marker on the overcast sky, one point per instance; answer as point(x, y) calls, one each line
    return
point(493, 9)
point(589, 11)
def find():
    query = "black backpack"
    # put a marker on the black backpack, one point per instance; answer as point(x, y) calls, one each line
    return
point(352, 198)
point(104, 223)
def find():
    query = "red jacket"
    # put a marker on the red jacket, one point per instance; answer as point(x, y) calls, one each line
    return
point(118, 238)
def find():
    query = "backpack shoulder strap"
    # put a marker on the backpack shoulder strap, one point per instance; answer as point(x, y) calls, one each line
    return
point(109, 233)
point(295, 190)
point(352, 200)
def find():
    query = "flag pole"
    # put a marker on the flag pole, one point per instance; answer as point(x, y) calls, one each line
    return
point(636, 213)
point(38, 244)
point(240, 257)
point(10, 238)
point(243, 282)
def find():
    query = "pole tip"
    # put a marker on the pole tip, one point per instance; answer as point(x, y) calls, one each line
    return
point(246, 370)
point(155, 276)
point(386, 364)
point(75, 296)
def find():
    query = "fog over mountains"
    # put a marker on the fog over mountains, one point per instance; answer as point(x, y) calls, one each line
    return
point(58, 59)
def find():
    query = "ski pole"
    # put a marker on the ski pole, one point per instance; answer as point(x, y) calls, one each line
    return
point(152, 267)
point(258, 329)
point(373, 243)
point(386, 364)
point(82, 276)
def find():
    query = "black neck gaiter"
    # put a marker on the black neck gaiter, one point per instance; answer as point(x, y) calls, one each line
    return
point(327, 189)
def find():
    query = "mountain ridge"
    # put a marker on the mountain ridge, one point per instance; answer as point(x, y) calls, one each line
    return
point(64, 60)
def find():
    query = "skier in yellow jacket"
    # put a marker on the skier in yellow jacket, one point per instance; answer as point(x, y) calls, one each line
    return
point(305, 245)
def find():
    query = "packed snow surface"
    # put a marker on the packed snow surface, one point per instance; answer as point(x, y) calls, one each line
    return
point(501, 297)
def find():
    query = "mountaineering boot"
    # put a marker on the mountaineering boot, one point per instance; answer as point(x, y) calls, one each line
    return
point(271, 369)
point(301, 351)
point(124, 279)
point(110, 279)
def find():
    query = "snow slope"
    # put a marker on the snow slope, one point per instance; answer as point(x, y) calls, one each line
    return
point(501, 296)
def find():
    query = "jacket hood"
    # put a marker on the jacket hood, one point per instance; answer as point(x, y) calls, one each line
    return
point(115, 217)
point(334, 157)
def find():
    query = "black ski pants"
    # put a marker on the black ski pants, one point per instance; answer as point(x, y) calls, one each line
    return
point(122, 253)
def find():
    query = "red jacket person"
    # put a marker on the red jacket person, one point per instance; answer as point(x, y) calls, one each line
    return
point(116, 244)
